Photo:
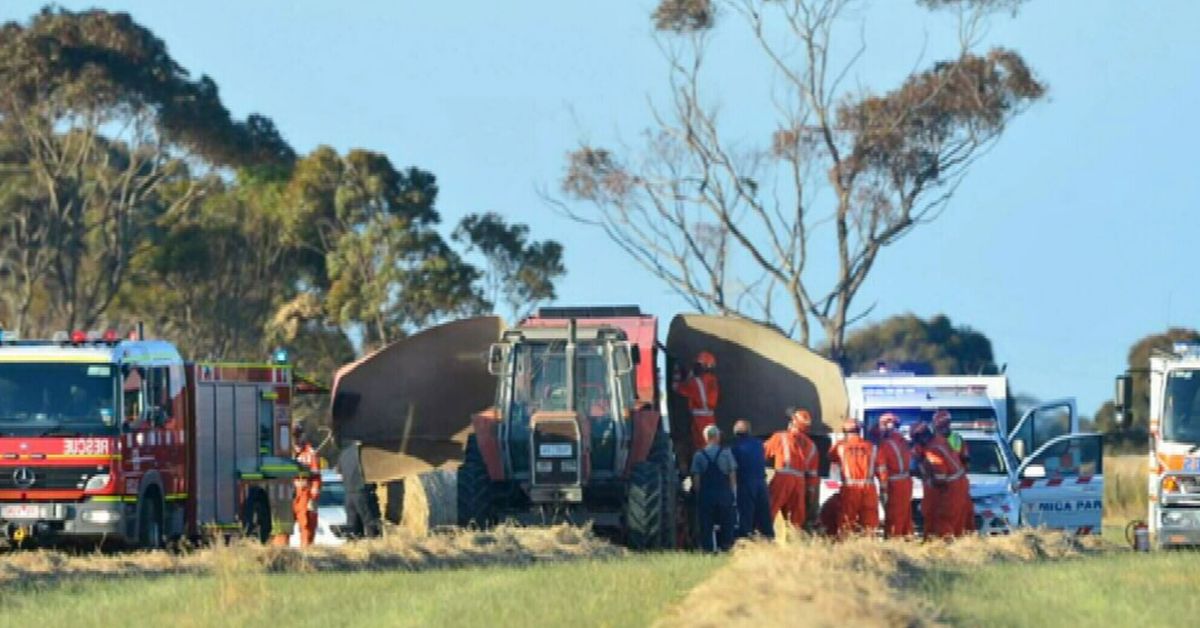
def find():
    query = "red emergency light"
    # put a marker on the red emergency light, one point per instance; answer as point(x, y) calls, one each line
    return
point(110, 335)
point(78, 337)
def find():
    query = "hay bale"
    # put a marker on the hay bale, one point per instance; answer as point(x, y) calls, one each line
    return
point(430, 500)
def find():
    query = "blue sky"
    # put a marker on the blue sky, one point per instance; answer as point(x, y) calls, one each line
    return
point(1067, 242)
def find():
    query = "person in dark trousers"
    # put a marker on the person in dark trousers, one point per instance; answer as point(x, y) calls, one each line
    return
point(754, 505)
point(714, 478)
point(361, 518)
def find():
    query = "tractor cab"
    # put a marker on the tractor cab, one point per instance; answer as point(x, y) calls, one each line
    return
point(564, 400)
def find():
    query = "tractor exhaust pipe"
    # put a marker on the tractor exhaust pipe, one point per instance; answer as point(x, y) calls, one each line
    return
point(571, 338)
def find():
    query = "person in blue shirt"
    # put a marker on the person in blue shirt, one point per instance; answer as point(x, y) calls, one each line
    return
point(754, 504)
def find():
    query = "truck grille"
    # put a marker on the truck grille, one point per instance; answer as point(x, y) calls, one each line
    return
point(47, 478)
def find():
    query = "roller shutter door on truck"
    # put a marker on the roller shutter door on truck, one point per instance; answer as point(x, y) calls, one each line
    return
point(226, 443)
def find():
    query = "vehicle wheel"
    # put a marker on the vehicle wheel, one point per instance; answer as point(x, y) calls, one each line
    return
point(645, 507)
point(474, 488)
point(256, 516)
point(150, 523)
point(662, 454)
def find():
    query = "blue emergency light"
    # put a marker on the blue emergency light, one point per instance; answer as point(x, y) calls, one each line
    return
point(1187, 349)
point(280, 356)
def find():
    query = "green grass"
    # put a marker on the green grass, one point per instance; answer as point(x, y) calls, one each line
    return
point(1122, 589)
point(627, 592)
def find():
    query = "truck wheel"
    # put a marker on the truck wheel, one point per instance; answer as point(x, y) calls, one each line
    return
point(256, 516)
point(150, 523)
point(645, 507)
point(474, 488)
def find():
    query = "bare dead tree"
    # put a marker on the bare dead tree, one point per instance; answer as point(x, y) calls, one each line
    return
point(872, 167)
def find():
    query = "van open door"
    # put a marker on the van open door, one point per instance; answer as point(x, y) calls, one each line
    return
point(1041, 424)
point(1061, 484)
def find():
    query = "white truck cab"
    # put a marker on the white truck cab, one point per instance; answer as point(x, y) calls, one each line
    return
point(1043, 472)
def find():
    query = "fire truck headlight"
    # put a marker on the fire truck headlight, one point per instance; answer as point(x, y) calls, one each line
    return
point(101, 516)
point(97, 482)
point(1176, 518)
point(1170, 484)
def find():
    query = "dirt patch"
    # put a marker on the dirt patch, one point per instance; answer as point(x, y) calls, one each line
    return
point(401, 551)
point(861, 582)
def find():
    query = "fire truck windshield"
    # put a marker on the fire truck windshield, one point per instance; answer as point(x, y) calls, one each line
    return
point(1181, 413)
point(48, 399)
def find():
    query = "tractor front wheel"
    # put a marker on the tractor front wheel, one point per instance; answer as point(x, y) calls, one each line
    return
point(474, 489)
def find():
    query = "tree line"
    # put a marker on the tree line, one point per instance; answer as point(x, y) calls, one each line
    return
point(128, 191)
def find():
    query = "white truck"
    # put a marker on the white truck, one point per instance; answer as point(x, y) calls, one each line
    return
point(1174, 452)
point(1043, 472)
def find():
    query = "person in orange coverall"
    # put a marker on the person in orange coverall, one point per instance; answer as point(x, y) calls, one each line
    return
point(793, 489)
point(947, 490)
point(701, 390)
point(858, 459)
point(895, 483)
point(308, 489)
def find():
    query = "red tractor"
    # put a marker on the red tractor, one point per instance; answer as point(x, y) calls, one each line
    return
point(575, 433)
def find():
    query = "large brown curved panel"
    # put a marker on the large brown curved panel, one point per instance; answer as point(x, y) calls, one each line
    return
point(761, 372)
point(410, 403)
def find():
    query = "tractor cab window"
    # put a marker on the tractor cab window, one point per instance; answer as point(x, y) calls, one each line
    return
point(540, 381)
point(593, 399)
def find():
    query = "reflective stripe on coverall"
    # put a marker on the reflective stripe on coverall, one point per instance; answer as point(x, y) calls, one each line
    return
point(959, 447)
point(946, 490)
point(307, 491)
point(895, 458)
point(796, 463)
point(860, 501)
point(702, 392)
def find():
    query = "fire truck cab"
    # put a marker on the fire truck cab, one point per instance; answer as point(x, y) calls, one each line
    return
point(105, 439)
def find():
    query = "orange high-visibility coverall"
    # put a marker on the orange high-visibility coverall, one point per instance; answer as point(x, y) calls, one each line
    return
point(894, 460)
point(959, 447)
point(796, 464)
point(307, 491)
point(858, 459)
point(701, 392)
point(947, 490)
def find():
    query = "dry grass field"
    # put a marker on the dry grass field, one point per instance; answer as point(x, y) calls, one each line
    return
point(1125, 496)
point(567, 576)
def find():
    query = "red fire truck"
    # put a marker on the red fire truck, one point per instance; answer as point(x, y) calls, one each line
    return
point(107, 439)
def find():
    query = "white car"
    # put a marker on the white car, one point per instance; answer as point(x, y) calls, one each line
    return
point(331, 512)
point(991, 470)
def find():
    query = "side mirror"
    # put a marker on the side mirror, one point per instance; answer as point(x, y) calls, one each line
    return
point(1034, 472)
point(1123, 398)
point(635, 353)
point(622, 358)
point(496, 355)
point(1018, 448)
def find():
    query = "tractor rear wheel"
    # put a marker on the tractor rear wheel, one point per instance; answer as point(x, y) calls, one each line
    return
point(646, 508)
point(474, 489)
point(663, 455)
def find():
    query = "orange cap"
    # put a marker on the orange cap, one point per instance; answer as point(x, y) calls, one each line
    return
point(706, 359)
